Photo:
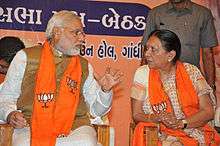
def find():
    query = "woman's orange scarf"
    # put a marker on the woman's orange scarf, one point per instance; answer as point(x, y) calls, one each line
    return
point(53, 114)
point(2, 78)
point(188, 99)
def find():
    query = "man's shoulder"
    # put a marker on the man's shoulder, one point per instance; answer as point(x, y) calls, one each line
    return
point(33, 52)
point(33, 48)
point(85, 66)
point(200, 8)
point(84, 62)
point(161, 7)
point(83, 59)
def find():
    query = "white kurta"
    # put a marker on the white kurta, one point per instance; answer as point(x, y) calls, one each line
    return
point(98, 102)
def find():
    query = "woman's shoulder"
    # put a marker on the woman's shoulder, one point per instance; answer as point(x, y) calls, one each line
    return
point(193, 71)
point(144, 69)
point(190, 67)
point(141, 75)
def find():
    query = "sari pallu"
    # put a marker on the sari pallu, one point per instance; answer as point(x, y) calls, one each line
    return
point(189, 101)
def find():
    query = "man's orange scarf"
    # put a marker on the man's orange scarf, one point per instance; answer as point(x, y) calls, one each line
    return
point(188, 99)
point(53, 114)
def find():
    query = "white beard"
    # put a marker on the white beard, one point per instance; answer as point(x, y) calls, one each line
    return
point(75, 50)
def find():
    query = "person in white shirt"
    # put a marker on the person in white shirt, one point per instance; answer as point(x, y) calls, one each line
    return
point(9, 46)
point(42, 81)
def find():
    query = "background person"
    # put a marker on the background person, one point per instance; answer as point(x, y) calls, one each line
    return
point(9, 46)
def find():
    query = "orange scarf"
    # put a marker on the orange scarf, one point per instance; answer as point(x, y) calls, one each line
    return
point(2, 78)
point(53, 115)
point(188, 99)
point(139, 137)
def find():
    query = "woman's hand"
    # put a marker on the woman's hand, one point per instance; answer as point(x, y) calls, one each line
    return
point(170, 121)
point(155, 118)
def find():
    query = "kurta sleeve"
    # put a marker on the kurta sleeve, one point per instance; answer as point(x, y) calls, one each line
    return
point(11, 88)
point(99, 102)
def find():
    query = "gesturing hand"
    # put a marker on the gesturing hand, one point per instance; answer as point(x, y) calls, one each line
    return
point(109, 79)
point(16, 119)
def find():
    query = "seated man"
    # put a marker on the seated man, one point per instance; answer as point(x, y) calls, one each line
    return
point(50, 93)
point(9, 46)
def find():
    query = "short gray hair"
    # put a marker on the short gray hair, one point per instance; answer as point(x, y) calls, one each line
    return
point(58, 20)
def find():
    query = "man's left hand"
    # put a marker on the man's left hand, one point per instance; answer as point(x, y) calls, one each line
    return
point(109, 79)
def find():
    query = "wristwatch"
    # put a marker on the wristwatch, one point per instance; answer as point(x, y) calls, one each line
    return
point(213, 87)
point(185, 123)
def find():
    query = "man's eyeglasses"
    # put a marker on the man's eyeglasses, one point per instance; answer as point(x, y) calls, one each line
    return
point(76, 32)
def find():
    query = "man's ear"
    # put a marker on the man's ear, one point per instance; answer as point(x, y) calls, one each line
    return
point(56, 32)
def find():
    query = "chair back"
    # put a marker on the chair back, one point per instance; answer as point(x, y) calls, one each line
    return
point(6, 132)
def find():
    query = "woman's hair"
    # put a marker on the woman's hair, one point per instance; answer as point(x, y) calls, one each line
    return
point(9, 46)
point(169, 41)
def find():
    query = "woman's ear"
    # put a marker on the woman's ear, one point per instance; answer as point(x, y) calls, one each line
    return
point(171, 55)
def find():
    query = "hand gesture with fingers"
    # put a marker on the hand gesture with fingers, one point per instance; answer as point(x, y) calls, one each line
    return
point(16, 119)
point(109, 79)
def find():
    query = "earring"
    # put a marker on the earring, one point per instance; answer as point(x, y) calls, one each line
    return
point(169, 60)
